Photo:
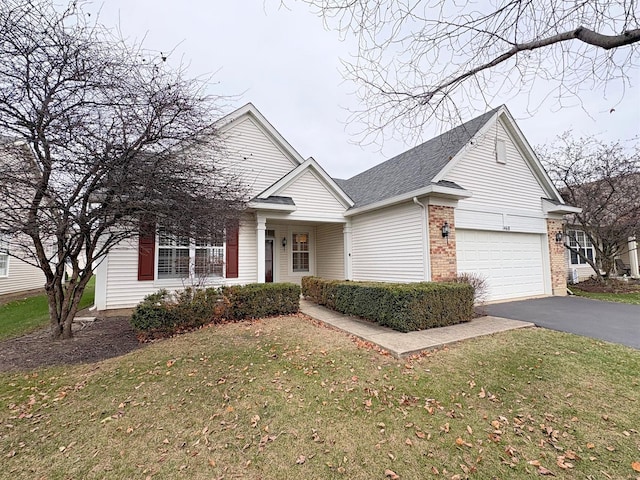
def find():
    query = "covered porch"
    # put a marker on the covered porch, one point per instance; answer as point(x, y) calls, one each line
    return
point(288, 249)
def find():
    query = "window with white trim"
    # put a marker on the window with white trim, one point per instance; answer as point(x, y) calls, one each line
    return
point(580, 242)
point(300, 252)
point(4, 256)
point(182, 257)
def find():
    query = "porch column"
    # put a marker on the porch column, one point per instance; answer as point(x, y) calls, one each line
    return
point(348, 268)
point(260, 229)
point(633, 257)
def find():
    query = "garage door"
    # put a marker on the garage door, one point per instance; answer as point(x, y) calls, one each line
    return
point(511, 262)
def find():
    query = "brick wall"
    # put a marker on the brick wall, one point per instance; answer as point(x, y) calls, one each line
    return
point(557, 258)
point(443, 252)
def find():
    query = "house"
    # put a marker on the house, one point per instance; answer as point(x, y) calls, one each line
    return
point(605, 233)
point(474, 199)
point(16, 275)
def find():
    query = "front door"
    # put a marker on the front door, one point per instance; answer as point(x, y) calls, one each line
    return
point(268, 260)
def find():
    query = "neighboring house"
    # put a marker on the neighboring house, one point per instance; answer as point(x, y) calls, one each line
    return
point(17, 276)
point(578, 269)
point(474, 199)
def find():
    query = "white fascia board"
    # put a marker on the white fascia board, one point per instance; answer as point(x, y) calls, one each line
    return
point(226, 122)
point(433, 190)
point(549, 207)
point(290, 177)
point(257, 205)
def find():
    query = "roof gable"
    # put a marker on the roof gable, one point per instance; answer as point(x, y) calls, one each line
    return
point(310, 165)
point(414, 169)
point(503, 117)
point(250, 111)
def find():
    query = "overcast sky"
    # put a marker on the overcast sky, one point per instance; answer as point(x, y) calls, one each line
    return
point(284, 62)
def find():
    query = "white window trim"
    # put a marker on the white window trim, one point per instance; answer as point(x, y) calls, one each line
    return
point(308, 252)
point(4, 252)
point(578, 246)
point(191, 277)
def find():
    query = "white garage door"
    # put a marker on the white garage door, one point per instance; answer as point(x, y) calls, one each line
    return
point(511, 262)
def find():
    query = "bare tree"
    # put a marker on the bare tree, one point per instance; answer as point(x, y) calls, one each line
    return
point(604, 180)
point(99, 138)
point(419, 60)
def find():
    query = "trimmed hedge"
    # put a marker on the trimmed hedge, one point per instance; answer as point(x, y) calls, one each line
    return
point(163, 314)
point(402, 306)
point(257, 300)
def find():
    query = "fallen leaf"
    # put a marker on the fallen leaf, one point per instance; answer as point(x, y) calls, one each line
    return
point(301, 459)
point(469, 430)
point(590, 445)
point(408, 442)
point(170, 362)
point(391, 474)
point(545, 471)
point(636, 466)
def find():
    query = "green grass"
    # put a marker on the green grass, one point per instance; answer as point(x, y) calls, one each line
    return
point(632, 298)
point(23, 316)
point(283, 398)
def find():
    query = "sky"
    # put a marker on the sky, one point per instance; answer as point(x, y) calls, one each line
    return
point(287, 64)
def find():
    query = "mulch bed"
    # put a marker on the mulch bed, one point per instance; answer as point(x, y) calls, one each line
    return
point(610, 286)
point(92, 342)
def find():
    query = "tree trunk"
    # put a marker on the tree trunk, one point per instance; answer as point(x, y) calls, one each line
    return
point(63, 305)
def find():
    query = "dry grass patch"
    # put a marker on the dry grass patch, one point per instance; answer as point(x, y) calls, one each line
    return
point(284, 398)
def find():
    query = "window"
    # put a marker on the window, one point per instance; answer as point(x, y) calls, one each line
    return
point(4, 256)
point(181, 257)
point(300, 252)
point(580, 242)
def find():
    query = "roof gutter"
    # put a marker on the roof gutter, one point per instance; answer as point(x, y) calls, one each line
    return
point(426, 247)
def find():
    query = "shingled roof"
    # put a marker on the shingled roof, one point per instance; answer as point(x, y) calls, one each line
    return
point(413, 169)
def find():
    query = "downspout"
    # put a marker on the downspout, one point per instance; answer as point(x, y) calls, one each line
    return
point(426, 247)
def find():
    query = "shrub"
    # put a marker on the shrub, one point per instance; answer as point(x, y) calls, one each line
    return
point(258, 300)
point(478, 282)
point(162, 315)
point(403, 307)
point(154, 314)
point(196, 307)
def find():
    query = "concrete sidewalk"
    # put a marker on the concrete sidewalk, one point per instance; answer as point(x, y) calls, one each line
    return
point(401, 344)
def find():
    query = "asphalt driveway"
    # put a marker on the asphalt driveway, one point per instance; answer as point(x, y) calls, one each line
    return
point(613, 322)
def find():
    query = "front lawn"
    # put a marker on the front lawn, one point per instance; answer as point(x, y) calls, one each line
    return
point(23, 316)
point(285, 398)
point(628, 297)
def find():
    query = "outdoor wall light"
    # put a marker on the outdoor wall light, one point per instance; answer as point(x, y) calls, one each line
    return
point(559, 237)
point(445, 230)
point(284, 242)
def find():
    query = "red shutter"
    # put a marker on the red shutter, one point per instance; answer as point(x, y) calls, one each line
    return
point(232, 251)
point(146, 251)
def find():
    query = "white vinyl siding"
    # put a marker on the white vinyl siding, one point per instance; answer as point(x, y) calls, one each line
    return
point(387, 245)
point(312, 199)
point(21, 277)
point(330, 251)
point(253, 155)
point(16, 275)
point(512, 263)
point(505, 196)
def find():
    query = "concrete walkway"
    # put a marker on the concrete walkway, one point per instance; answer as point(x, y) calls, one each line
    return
point(401, 344)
